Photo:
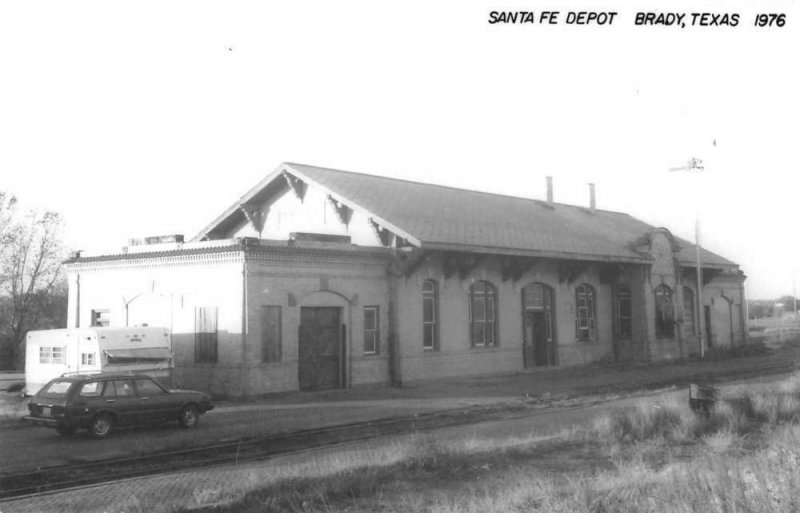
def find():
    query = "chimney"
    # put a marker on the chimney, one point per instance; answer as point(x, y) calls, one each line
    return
point(592, 203)
point(549, 189)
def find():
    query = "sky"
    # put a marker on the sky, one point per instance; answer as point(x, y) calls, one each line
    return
point(142, 118)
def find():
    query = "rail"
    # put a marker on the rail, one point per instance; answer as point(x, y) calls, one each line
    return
point(56, 478)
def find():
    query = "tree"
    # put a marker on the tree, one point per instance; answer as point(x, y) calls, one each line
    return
point(788, 303)
point(31, 276)
point(760, 308)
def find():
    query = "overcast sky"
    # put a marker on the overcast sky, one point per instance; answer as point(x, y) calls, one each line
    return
point(145, 118)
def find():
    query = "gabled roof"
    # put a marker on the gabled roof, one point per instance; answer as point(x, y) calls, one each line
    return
point(438, 217)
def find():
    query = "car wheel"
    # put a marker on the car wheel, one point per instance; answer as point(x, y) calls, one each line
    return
point(188, 416)
point(65, 430)
point(102, 426)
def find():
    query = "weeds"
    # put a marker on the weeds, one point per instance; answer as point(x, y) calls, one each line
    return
point(662, 458)
point(754, 348)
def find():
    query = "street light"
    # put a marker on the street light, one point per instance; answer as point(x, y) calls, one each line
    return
point(696, 164)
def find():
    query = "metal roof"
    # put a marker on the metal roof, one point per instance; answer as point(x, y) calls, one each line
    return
point(446, 217)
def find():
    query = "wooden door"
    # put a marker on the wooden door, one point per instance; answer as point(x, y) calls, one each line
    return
point(528, 339)
point(320, 348)
point(542, 349)
point(538, 347)
point(709, 334)
point(538, 337)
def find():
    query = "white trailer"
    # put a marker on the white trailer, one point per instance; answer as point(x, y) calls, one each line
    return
point(53, 353)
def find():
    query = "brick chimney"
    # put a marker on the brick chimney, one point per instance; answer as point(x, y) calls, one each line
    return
point(549, 189)
point(592, 203)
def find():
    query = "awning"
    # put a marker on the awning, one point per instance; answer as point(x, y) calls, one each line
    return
point(138, 355)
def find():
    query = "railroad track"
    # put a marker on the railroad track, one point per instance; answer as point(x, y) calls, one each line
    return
point(50, 479)
point(61, 477)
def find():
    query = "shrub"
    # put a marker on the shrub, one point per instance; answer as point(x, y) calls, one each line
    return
point(646, 422)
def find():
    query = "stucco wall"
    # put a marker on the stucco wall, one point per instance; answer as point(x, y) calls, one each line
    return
point(456, 356)
point(166, 290)
point(723, 296)
point(166, 293)
point(346, 282)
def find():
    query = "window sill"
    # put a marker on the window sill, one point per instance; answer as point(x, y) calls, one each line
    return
point(484, 349)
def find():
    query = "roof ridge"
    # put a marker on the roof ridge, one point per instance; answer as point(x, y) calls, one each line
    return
point(452, 188)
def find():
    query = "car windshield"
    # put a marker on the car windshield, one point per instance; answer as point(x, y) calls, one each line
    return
point(56, 388)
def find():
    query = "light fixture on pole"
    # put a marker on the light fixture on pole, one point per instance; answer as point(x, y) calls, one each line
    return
point(696, 164)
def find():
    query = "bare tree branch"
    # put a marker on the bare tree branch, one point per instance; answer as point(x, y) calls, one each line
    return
point(30, 269)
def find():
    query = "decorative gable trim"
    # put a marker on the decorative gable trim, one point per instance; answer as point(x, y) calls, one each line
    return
point(255, 215)
point(344, 212)
point(404, 238)
point(297, 185)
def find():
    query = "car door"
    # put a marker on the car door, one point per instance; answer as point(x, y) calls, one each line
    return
point(124, 403)
point(154, 401)
point(90, 398)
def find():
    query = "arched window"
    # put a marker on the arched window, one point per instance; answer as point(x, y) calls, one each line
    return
point(665, 314)
point(585, 326)
point(482, 314)
point(688, 311)
point(430, 315)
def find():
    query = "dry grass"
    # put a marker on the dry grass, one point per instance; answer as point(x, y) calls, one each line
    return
point(743, 456)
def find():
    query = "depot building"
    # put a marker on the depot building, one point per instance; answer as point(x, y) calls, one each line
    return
point(322, 279)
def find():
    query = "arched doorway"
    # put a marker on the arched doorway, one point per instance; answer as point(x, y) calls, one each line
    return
point(538, 333)
point(322, 341)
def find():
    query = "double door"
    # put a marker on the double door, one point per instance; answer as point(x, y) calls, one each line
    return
point(321, 348)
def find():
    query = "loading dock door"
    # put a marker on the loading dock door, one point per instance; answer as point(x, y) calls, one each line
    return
point(320, 348)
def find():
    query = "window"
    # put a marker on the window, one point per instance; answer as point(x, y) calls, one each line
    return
point(52, 355)
point(665, 327)
point(56, 389)
point(271, 333)
point(688, 311)
point(584, 309)
point(205, 338)
point(430, 316)
point(148, 387)
point(371, 330)
point(87, 358)
point(109, 390)
point(124, 387)
point(624, 312)
point(482, 314)
point(92, 389)
point(100, 318)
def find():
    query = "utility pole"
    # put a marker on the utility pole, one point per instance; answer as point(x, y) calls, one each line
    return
point(692, 165)
point(700, 310)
